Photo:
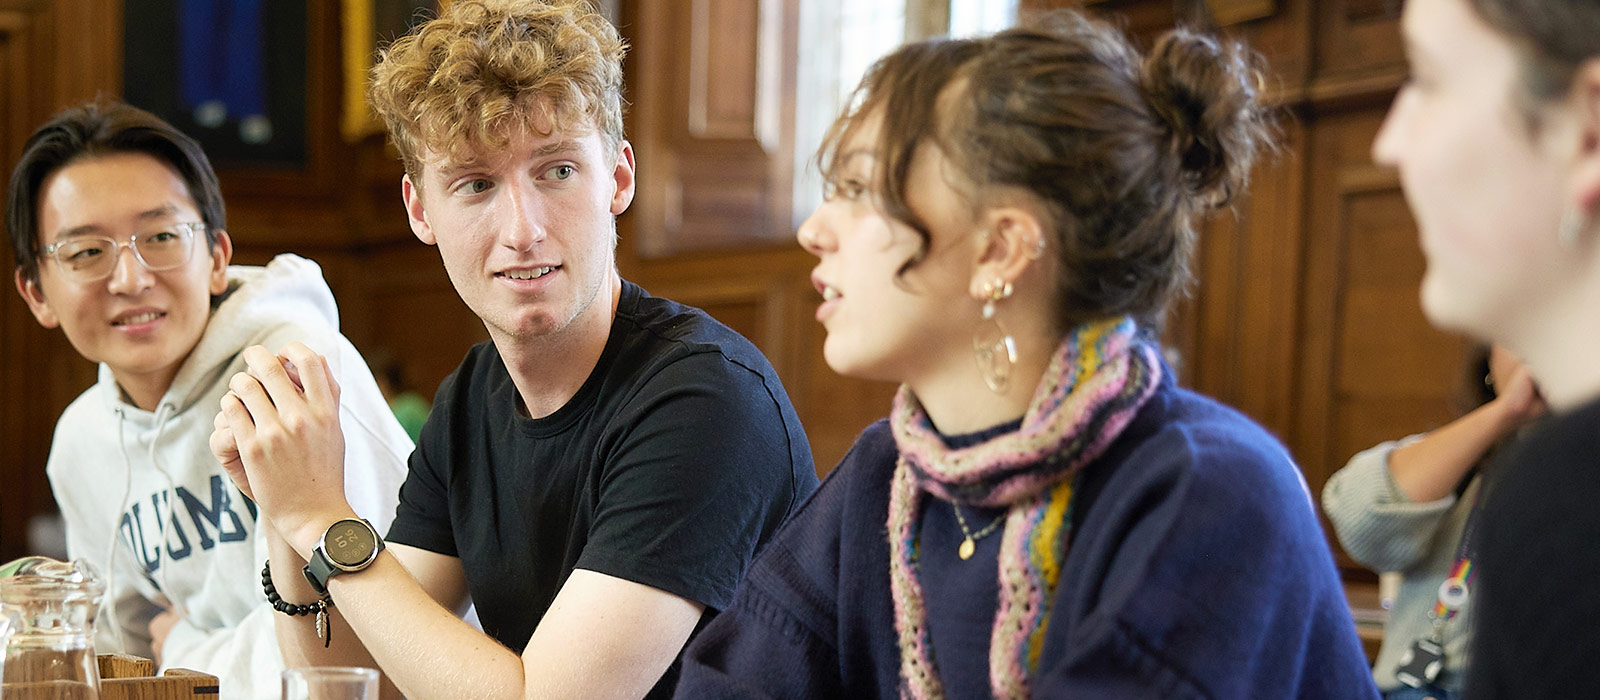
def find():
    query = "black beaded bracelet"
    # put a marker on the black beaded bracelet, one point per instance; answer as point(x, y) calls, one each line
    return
point(320, 607)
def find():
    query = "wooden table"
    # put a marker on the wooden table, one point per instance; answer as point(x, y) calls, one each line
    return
point(122, 677)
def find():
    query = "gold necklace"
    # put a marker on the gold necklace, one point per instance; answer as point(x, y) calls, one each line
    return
point(970, 545)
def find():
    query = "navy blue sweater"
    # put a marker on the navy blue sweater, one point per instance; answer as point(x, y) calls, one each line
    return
point(1196, 569)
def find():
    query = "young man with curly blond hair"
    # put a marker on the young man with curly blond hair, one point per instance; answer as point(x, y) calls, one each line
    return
point(596, 478)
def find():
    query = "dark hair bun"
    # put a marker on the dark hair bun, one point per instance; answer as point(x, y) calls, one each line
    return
point(1207, 90)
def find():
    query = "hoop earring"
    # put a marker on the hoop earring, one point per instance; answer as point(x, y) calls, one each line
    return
point(995, 349)
point(1573, 221)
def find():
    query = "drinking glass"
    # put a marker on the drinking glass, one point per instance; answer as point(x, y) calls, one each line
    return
point(330, 683)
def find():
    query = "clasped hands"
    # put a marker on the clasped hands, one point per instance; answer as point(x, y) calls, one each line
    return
point(279, 439)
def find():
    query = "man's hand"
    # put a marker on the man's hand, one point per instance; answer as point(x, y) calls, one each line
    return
point(160, 626)
point(226, 449)
point(281, 430)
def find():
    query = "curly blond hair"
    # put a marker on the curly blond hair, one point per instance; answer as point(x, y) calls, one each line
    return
point(465, 82)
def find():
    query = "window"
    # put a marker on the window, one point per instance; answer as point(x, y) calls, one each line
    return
point(978, 17)
point(839, 41)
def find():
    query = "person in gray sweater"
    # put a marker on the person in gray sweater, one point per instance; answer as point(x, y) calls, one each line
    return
point(1404, 505)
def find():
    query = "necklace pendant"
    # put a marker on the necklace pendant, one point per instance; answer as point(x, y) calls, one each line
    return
point(966, 549)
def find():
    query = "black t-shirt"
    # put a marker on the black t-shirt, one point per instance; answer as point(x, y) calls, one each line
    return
point(1534, 606)
point(676, 460)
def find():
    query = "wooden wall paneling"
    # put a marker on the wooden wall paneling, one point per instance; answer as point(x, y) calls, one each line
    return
point(87, 51)
point(1206, 317)
point(724, 36)
point(1326, 261)
point(1215, 12)
point(712, 126)
point(1373, 369)
point(375, 214)
point(1250, 280)
point(1248, 315)
point(1321, 303)
point(1142, 19)
point(16, 458)
point(1229, 12)
point(1396, 372)
point(1268, 314)
point(1180, 337)
point(49, 54)
point(1285, 41)
point(1370, 9)
point(1211, 364)
point(1353, 38)
point(18, 62)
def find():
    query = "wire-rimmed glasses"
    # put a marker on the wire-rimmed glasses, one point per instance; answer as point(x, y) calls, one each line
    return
point(92, 258)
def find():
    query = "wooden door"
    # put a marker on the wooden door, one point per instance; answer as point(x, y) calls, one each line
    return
point(52, 54)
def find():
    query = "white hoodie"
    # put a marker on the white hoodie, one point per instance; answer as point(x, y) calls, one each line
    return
point(119, 471)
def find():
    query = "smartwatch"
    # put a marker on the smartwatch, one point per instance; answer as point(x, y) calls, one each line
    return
point(348, 546)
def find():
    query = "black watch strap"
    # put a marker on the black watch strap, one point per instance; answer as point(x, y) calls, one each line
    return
point(318, 571)
point(346, 533)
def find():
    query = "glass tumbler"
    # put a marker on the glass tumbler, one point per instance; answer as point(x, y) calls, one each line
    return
point(330, 683)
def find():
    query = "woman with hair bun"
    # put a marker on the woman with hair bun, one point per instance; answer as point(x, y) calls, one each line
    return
point(1045, 512)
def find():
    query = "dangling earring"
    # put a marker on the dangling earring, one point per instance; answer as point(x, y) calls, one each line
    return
point(995, 348)
point(1573, 221)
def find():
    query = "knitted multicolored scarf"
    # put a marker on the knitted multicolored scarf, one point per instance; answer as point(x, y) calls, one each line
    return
point(1096, 382)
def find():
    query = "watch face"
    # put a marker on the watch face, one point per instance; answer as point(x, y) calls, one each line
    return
point(348, 543)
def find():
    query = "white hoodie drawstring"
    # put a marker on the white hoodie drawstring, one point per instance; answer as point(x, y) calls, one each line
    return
point(162, 411)
point(162, 549)
point(109, 603)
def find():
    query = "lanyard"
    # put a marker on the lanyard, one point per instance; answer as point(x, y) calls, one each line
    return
point(1424, 661)
point(1454, 591)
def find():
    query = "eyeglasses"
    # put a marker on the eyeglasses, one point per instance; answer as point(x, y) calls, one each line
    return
point(92, 258)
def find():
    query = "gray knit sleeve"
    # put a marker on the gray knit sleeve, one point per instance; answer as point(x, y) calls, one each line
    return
point(1375, 523)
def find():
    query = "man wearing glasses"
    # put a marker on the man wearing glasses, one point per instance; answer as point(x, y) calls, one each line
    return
point(116, 222)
